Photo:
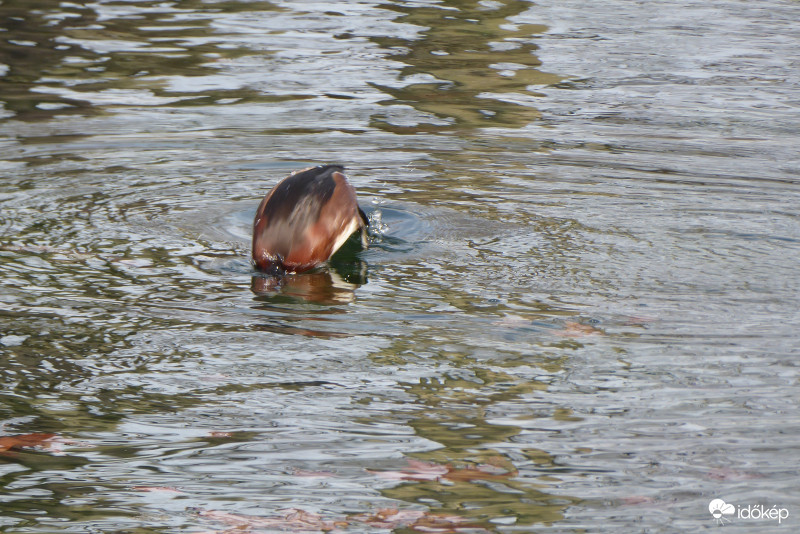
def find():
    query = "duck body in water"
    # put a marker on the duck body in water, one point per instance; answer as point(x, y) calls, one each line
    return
point(305, 219)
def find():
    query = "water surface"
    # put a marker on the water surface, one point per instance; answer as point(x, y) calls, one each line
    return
point(579, 310)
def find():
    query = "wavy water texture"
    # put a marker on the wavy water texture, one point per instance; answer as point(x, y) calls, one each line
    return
point(578, 311)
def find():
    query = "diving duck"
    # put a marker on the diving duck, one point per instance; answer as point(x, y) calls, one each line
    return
point(305, 219)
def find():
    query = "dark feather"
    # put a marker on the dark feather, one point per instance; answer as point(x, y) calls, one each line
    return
point(314, 185)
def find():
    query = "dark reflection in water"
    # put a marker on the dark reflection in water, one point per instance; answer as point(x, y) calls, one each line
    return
point(324, 287)
point(282, 298)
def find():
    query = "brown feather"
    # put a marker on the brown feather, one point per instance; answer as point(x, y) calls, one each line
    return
point(304, 220)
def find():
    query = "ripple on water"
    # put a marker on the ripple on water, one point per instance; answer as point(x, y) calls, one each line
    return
point(578, 309)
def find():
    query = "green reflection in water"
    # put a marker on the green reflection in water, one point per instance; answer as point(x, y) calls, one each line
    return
point(65, 58)
point(482, 483)
point(481, 65)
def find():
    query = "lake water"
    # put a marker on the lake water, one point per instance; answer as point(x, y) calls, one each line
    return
point(579, 311)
